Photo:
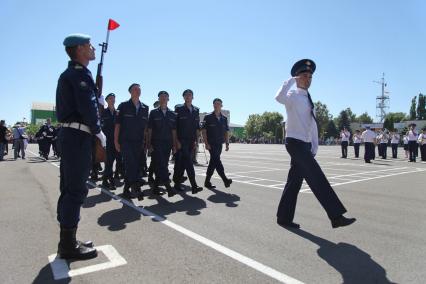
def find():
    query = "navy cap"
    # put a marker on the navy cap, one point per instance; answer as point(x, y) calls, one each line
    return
point(131, 86)
point(110, 95)
point(217, 100)
point(304, 65)
point(162, 93)
point(187, 91)
point(76, 39)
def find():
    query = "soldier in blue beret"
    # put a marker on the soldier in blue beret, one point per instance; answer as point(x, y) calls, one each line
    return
point(188, 131)
point(77, 111)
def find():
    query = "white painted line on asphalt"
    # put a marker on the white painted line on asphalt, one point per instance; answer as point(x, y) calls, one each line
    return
point(61, 270)
point(275, 274)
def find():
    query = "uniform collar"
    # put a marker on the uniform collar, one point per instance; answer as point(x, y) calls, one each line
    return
point(76, 65)
point(302, 91)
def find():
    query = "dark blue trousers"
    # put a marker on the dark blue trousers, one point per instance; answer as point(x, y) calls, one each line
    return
point(131, 152)
point(111, 156)
point(304, 166)
point(161, 155)
point(356, 149)
point(215, 163)
point(394, 150)
point(184, 161)
point(369, 152)
point(412, 147)
point(344, 147)
point(75, 165)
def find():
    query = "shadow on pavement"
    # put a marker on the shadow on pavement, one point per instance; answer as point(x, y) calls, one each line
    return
point(117, 219)
point(355, 265)
point(45, 276)
point(92, 200)
point(224, 197)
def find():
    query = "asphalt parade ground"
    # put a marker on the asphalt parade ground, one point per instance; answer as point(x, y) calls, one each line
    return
point(226, 235)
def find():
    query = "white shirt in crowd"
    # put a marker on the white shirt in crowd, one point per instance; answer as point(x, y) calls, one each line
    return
point(368, 136)
point(357, 138)
point(422, 138)
point(412, 135)
point(344, 135)
point(405, 139)
point(395, 138)
point(300, 124)
point(384, 138)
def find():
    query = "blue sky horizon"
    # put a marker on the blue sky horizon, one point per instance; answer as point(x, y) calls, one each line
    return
point(240, 51)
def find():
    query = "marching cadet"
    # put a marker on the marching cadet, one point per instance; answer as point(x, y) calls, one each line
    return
point(77, 111)
point(379, 135)
point(344, 138)
point(216, 132)
point(422, 143)
point(357, 141)
point(412, 142)
point(384, 139)
point(395, 142)
point(405, 141)
point(188, 131)
point(55, 143)
point(129, 137)
point(151, 180)
point(302, 144)
point(108, 118)
point(369, 138)
point(46, 134)
point(162, 140)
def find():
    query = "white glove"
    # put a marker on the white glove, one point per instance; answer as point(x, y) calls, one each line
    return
point(101, 100)
point(102, 137)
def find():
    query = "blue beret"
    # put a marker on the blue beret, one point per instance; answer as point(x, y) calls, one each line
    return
point(163, 93)
point(304, 65)
point(110, 95)
point(76, 39)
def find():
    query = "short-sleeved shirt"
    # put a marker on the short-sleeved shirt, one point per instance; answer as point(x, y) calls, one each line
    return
point(187, 122)
point(162, 123)
point(216, 127)
point(76, 97)
point(132, 122)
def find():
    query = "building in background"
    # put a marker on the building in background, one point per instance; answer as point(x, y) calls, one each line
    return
point(41, 111)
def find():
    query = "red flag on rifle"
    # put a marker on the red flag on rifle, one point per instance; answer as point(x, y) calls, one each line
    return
point(112, 25)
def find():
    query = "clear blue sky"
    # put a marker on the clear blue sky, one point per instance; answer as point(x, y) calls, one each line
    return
point(240, 51)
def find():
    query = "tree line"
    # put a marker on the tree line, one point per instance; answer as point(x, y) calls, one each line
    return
point(268, 126)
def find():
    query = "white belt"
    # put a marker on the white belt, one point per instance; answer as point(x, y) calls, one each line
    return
point(78, 126)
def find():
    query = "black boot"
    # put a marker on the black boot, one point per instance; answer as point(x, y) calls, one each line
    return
point(136, 191)
point(126, 191)
point(195, 188)
point(105, 183)
point(226, 181)
point(112, 184)
point(70, 248)
point(170, 191)
point(208, 184)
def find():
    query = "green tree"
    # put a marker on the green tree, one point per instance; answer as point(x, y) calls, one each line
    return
point(364, 118)
point(32, 129)
point(388, 123)
point(421, 107)
point(343, 120)
point(271, 123)
point(351, 115)
point(253, 126)
point(396, 116)
point(331, 130)
point(413, 109)
point(323, 116)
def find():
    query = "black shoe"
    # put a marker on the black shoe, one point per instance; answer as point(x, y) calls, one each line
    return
point(112, 184)
point(126, 192)
point(156, 191)
point(151, 180)
point(227, 182)
point(136, 191)
point(287, 224)
point(196, 189)
point(342, 221)
point(105, 183)
point(209, 185)
point(142, 182)
point(88, 244)
point(170, 191)
point(70, 248)
point(182, 179)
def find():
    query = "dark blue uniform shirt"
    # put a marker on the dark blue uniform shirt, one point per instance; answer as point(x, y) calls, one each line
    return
point(215, 128)
point(132, 122)
point(76, 97)
point(108, 122)
point(187, 122)
point(162, 124)
point(46, 131)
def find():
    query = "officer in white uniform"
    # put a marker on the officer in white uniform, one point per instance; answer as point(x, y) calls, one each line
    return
point(302, 144)
point(357, 141)
point(395, 142)
point(384, 140)
point(369, 138)
point(422, 143)
point(405, 141)
point(412, 142)
point(344, 142)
